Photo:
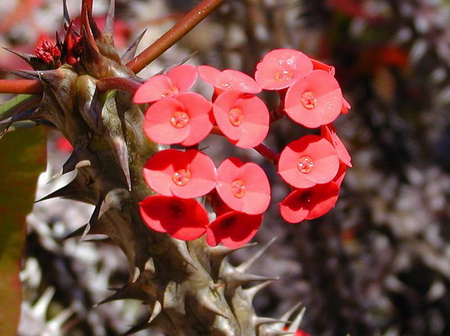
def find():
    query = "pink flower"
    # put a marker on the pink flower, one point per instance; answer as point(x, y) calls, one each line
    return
point(309, 203)
point(242, 118)
point(243, 187)
point(308, 161)
point(315, 100)
point(178, 80)
point(186, 174)
point(233, 229)
point(185, 119)
point(329, 133)
point(228, 80)
point(183, 219)
point(281, 68)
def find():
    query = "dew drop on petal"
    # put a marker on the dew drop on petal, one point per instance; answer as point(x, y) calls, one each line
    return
point(179, 119)
point(173, 91)
point(238, 188)
point(181, 177)
point(305, 164)
point(235, 116)
point(285, 75)
point(308, 100)
point(226, 85)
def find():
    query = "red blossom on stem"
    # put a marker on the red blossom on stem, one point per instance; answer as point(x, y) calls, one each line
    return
point(184, 219)
point(185, 119)
point(228, 80)
point(233, 229)
point(48, 52)
point(329, 133)
point(178, 80)
point(308, 161)
point(309, 203)
point(314, 101)
point(281, 68)
point(243, 187)
point(242, 118)
point(186, 174)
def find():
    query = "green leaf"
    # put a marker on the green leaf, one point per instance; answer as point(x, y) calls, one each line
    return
point(22, 159)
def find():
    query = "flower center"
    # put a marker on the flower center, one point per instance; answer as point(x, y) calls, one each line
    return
point(177, 209)
point(179, 119)
point(308, 100)
point(181, 177)
point(305, 197)
point(235, 116)
point(305, 164)
point(238, 188)
point(282, 76)
point(170, 92)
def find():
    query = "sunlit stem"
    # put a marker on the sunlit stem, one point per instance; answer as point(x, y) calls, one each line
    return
point(262, 149)
point(185, 25)
point(30, 86)
point(266, 152)
point(117, 83)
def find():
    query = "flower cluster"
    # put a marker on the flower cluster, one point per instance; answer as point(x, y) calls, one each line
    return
point(186, 180)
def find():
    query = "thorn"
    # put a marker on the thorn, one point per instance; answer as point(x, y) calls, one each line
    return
point(27, 74)
point(157, 308)
point(209, 305)
point(252, 291)
point(108, 29)
point(298, 319)
point(221, 252)
point(66, 15)
point(122, 154)
point(136, 274)
point(245, 266)
point(130, 53)
point(291, 311)
point(76, 233)
point(236, 279)
point(86, 231)
point(183, 249)
point(86, 29)
point(138, 327)
point(35, 62)
point(259, 321)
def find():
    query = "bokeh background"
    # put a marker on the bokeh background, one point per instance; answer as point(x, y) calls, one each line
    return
point(377, 264)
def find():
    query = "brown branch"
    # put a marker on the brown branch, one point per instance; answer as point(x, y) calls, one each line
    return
point(186, 24)
point(30, 86)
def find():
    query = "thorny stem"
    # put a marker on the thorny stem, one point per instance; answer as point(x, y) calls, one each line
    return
point(21, 86)
point(186, 24)
point(117, 83)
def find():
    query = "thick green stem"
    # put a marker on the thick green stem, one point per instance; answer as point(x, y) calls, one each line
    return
point(185, 25)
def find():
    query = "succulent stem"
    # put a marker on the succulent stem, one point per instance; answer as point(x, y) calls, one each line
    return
point(20, 86)
point(173, 35)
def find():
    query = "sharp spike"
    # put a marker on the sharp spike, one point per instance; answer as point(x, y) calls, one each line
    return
point(297, 321)
point(73, 162)
point(122, 154)
point(27, 74)
point(131, 51)
point(244, 278)
point(259, 321)
point(157, 308)
point(108, 29)
point(251, 292)
point(183, 249)
point(245, 266)
point(291, 311)
point(86, 29)
point(87, 229)
point(35, 62)
point(210, 305)
point(136, 274)
point(66, 15)
point(78, 232)
point(138, 327)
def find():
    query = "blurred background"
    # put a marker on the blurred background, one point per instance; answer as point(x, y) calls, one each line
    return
point(377, 264)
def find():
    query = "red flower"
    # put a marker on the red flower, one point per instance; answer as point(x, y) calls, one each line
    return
point(329, 133)
point(317, 65)
point(243, 187)
point(228, 80)
point(178, 80)
point(308, 161)
point(186, 174)
point(243, 118)
point(183, 219)
point(309, 203)
point(314, 101)
point(281, 68)
point(233, 229)
point(185, 119)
